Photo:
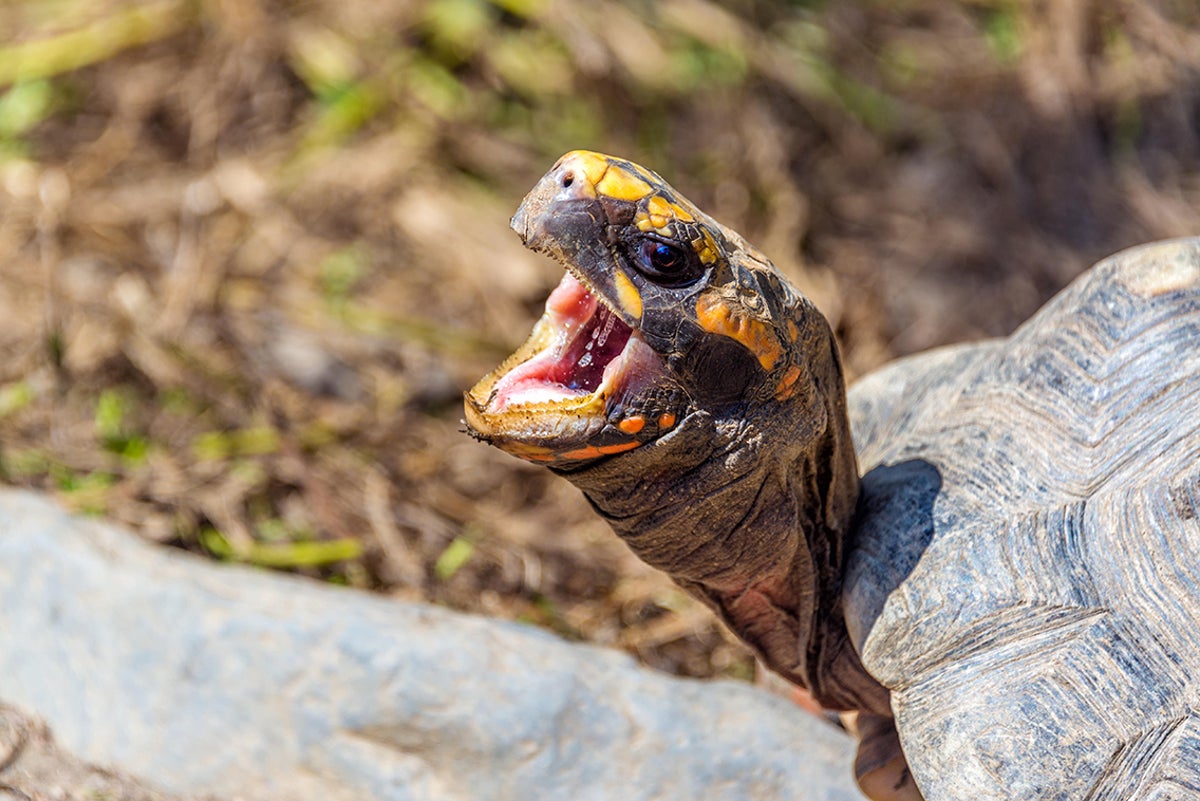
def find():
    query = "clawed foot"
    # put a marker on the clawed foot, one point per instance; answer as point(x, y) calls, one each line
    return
point(880, 767)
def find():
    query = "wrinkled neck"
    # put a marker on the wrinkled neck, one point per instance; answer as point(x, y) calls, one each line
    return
point(753, 520)
point(792, 612)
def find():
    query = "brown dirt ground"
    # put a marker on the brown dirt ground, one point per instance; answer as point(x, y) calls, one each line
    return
point(254, 251)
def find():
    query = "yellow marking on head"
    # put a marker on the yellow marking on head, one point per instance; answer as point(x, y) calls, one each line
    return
point(666, 420)
point(614, 178)
point(647, 221)
point(705, 247)
point(591, 165)
point(632, 425)
point(628, 296)
point(658, 206)
point(793, 331)
point(647, 174)
point(619, 184)
point(681, 214)
point(660, 213)
point(716, 316)
point(787, 384)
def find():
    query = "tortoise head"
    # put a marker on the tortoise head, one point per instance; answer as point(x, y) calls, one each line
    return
point(665, 319)
point(697, 399)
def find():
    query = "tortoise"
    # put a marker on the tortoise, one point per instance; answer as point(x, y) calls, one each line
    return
point(1003, 580)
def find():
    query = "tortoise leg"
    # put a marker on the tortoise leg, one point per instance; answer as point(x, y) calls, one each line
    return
point(880, 767)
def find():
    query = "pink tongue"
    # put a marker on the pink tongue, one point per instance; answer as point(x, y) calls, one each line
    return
point(570, 302)
point(542, 378)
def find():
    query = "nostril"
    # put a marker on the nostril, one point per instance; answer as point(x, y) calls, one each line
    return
point(568, 178)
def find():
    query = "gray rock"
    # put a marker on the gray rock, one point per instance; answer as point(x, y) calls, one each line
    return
point(34, 768)
point(211, 679)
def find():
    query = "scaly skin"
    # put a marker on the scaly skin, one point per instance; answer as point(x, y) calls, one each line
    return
point(717, 446)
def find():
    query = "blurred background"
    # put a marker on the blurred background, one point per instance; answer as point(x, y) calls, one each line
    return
point(252, 252)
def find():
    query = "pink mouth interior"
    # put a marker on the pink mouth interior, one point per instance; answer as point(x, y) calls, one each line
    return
point(590, 338)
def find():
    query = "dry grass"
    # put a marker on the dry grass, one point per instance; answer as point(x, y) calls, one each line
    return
point(253, 252)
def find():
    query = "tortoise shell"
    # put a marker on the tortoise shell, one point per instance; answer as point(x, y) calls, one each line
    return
point(1025, 574)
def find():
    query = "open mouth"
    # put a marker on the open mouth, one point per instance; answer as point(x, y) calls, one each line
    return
point(588, 339)
point(556, 397)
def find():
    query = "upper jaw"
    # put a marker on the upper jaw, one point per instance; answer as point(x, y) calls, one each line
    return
point(575, 228)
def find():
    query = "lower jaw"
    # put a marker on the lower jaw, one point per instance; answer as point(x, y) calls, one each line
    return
point(537, 433)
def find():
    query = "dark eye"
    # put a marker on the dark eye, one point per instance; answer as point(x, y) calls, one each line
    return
point(667, 264)
point(665, 258)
